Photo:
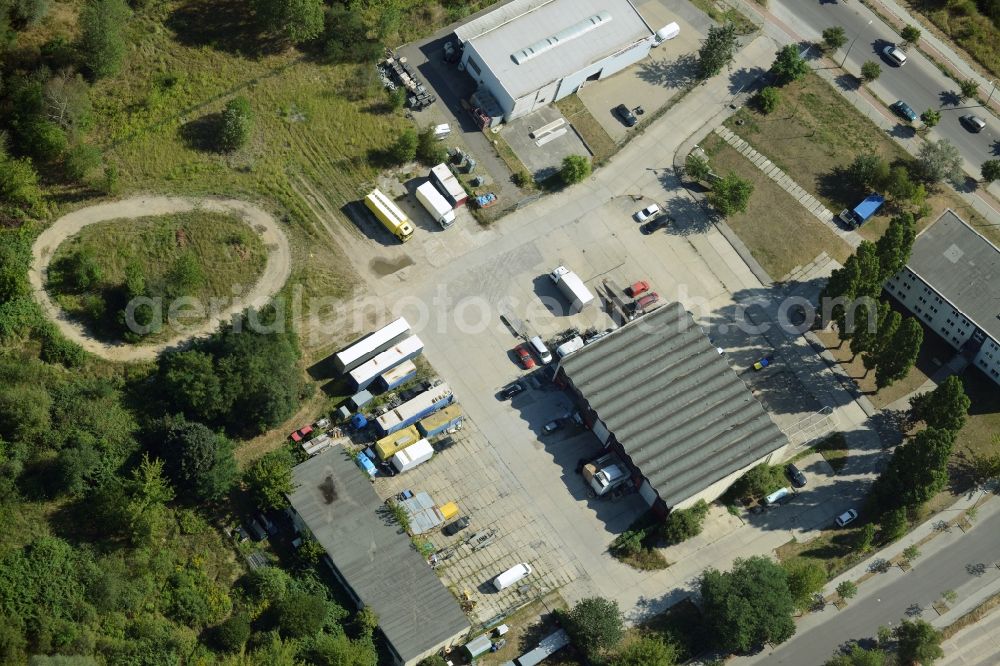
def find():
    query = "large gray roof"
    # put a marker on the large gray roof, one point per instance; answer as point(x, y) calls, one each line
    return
point(963, 267)
point(337, 503)
point(520, 24)
point(673, 403)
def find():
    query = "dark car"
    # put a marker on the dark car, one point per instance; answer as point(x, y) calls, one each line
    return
point(657, 222)
point(903, 110)
point(511, 390)
point(796, 476)
point(625, 115)
point(454, 528)
point(552, 426)
point(972, 123)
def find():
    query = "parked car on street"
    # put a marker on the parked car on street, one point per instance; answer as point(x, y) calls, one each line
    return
point(658, 222)
point(846, 517)
point(551, 426)
point(625, 115)
point(972, 123)
point(903, 110)
point(796, 476)
point(511, 390)
point(763, 363)
point(647, 212)
point(895, 55)
point(525, 357)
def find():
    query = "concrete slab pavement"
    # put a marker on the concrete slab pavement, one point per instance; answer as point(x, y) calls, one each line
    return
point(976, 645)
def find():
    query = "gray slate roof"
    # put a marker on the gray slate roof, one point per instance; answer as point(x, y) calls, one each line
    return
point(963, 267)
point(338, 504)
point(522, 23)
point(679, 411)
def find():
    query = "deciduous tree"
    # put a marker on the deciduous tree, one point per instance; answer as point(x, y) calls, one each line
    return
point(747, 606)
point(696, 167)
point(897, 358)
point(789, 65)
point(102, 42)
point(200, 462)
point(297, 21)
point(894, 524)
point(731, 195)
point(944, 408)
point(990, 170)
point(574, 169)
point(834, 37)
point(939, 160)
point(916, 472)
point(918, 642)
point(270, 478)
point(236, 125)
point(930, 117)
point(646, 651)
point(594, 624)
point(859, 656)
point(967, 88)
point(910, 34)
point(805, 579)
point(894, 246)
point(870, 71)
point(405, 147)
point(767, 99)
point(717, 50)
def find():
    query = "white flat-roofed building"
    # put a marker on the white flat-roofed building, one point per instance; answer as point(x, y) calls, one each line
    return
point(528, 53)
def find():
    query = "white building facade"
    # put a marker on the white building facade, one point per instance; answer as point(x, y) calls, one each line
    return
point(529, 53)
point(952, 284)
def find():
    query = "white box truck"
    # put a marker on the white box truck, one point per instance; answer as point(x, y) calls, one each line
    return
point(436, 205)
point(572, 287)
point(412, 456)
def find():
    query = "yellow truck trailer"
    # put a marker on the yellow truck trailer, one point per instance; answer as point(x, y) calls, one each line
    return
point(389, 214)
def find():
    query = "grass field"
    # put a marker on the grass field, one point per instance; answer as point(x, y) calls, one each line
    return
point(815, 135)
point(228, 255)
point(962, 23)
point(596, 136)
point(773, 214)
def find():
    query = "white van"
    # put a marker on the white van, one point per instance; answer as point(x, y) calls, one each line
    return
point(541, 349)
point(511, 576)
point(570, 346)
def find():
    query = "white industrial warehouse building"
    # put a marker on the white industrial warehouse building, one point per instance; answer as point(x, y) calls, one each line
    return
point(528, 53)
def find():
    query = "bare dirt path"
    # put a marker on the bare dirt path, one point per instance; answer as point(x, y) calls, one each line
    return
point(276, 272)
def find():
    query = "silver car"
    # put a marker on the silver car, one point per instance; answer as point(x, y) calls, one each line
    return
point(895, 55)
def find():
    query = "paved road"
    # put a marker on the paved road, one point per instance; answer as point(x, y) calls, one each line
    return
point(965, 565)
point(919, 82)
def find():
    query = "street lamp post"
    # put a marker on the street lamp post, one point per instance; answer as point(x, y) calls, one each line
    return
point(851, 46)
point(992, 90)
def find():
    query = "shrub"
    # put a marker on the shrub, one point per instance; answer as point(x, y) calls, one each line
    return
point(429, 150)
point(237, 123)
point(990, 170)
point(405, 147)
point(847, 589)
point(682, 524)
point(232, 634)
point(870, 71)
point(697, 167)
point(834, 37)
point(968, 88)
point(930, 117)
point(731, 195)
point(81, 160)
point(767, 99)
point(574, 169)
point(594, 624)
point(910, 34)
point(101, 42)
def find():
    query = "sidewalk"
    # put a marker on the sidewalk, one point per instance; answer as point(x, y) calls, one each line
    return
point(932, 536)
point(937, 48)
point(867, 103)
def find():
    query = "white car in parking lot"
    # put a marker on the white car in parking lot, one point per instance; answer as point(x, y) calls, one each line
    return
point(647, 212)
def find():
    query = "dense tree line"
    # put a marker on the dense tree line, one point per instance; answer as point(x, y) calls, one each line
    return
point(886, 342)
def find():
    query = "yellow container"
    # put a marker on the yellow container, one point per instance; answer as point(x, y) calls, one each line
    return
point(449, 510)
point(392, 444)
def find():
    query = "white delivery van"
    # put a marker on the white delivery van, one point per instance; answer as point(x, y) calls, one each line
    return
point(570, 346)
point(541, 349)
point(511, 576)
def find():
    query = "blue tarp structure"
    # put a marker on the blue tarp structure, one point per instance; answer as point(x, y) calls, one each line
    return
point(358, 421)
point(867, 208)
